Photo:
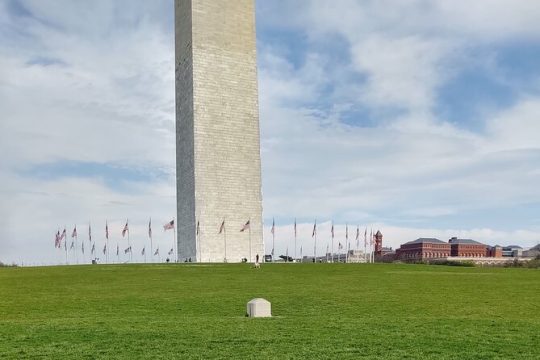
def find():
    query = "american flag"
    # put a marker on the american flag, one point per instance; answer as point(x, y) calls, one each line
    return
point(357, 233)
point(74, 233)
point(222, 227)
point(143, 251)
point(314, 229)
point(93, 248)
point(104, 249)
point(128, 250)
point(245, 227)
point(126, 229)
point(117, 250)
point(106, 230)
point(150, 228)
point(198, 228)
point(57, 240)
point(332, 231)
point(82, 247)
point(273, 227)
point(294, 227)
point(156, 252)
point(72, 245)
point(171, 252)
point(89, 233)
point(346, 232)
point(340, 246)
point(169, 225)
point(63, 234)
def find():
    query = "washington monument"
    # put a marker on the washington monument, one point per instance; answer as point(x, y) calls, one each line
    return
point(218, 164)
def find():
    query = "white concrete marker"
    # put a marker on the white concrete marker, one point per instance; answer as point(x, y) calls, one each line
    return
point(259, 308)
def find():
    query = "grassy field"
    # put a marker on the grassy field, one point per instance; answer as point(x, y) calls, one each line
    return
point(320, 311)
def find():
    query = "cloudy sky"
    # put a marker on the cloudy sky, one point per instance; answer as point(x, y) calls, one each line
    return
point(419, 118)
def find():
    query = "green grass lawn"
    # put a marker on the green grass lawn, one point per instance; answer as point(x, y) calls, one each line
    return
point(320, 311)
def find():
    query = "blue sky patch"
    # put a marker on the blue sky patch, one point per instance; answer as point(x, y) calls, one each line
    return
point(114, 176)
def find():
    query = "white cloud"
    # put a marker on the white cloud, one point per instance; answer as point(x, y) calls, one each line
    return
point(401, 72)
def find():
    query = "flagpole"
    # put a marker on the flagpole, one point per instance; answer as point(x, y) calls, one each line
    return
point(151, 243)
point(273, 238)
point(107, 239)
point(198, 252)
point(347, 243)
point(332, 241)
point(295, 257)
point(225, 239)
point(129, 245)
point(365, 249)
point(315, 244)
point(65, 246)
point(76, 246)
point(371, 246)
point(175, 245)
point(249, 229)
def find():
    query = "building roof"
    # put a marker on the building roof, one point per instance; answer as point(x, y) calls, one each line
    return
point(514, 247)
point(425, 240)
point(455, 240)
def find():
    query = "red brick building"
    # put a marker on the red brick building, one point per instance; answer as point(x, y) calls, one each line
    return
point(423, 249)
point(378, 243)
point(468, 248)
point(429, 248)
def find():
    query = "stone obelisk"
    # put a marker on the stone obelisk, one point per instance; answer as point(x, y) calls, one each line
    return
point(218, 164)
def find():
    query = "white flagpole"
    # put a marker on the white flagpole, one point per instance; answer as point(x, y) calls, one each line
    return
point(332, 241)
point(129, 246)
point(76, 247)
point(365, 249)
point(151, 242)
point(295, 257)
point(315, 244)
point(371, 246)
point(225, 239)
point(107, 239)
point(65, 246)
point(198, 253)
point(174, 242)
point(273, 238)
point(249, 229)
point(346, 243)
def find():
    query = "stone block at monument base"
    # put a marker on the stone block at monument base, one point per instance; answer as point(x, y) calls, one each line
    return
point(259, 308)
